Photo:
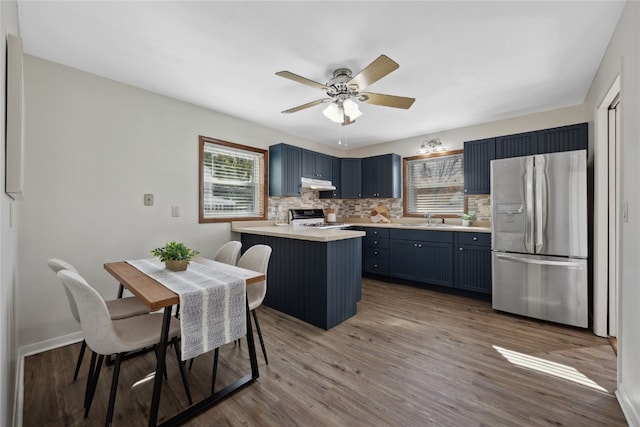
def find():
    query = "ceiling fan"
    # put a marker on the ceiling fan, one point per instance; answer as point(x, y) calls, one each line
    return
point(343, 88)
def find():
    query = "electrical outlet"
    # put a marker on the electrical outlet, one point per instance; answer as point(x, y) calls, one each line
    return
point(175, 211)
point(148, 199)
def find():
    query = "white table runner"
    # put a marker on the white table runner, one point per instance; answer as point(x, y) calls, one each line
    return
point(212, 304)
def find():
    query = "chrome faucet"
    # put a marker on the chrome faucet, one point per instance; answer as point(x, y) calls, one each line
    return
point(427, 215)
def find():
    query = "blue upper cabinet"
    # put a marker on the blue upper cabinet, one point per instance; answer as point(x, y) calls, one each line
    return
point(521, 144)
point(477, 165)
point(285, 163)
point(565, 138)
point(316, 165)
point(382, 176)
point(351, 178)
point(336, 174)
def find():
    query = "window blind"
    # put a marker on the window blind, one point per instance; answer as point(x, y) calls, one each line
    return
point(435, 185)
point(232, 182)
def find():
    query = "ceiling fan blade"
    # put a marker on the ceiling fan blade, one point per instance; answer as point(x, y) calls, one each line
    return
point(386, 100)
point(296, 78)
point(307, 105)
point(373, 72)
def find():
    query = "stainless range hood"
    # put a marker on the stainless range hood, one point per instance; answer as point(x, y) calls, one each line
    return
point(317, 184)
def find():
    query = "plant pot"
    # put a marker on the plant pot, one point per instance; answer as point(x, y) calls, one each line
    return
point(176, 264)
point(466, 222)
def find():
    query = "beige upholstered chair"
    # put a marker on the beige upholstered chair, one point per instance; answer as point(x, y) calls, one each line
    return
point(105, 336)
point(120, 308)
point(256, 258)
point(229, 253)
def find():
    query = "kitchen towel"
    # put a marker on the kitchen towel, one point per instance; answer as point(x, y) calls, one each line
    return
point(212, 304)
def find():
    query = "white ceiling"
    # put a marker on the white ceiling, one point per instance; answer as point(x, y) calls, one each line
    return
point(464, 62)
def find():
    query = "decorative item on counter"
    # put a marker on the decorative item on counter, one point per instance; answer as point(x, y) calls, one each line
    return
point(467, 218)
point(176, 256)
point(380, 214)
point(330, 214)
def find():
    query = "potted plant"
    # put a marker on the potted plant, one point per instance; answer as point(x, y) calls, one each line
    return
point(466, 218)
point(176, 256)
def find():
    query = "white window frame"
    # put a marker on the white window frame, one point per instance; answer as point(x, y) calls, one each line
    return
point(252, 203)
point(456, 190)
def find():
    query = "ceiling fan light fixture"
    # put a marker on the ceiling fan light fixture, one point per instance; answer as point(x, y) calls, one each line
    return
point(333, 112)
point(351, 109)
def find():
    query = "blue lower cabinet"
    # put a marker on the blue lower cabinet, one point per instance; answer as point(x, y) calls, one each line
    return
point(317, 282)
point(473, 262)
point(421, 261)
point(375, 250)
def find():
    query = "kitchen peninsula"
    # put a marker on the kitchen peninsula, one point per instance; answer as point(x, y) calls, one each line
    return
point(314, 275)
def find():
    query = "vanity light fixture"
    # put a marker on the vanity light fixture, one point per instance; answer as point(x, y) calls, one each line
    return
point(435, 146)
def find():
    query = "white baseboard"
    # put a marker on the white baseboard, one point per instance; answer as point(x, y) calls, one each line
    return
point(29, 350)
point(628, 409)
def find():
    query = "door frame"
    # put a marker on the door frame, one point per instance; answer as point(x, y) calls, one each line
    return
point(601, 236)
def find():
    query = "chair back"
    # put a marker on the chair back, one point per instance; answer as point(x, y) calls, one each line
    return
point(95, 320)
point(229, 253)
point(256, 258)
point(56, 265)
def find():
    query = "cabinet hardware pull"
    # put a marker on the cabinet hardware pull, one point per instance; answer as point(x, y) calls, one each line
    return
point(460, 248)
point(475, 238)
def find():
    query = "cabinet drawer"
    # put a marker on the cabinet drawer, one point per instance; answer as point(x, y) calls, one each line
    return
point(376, 265)
point(376, 252)
point(424, 236)
point(483, 239)
point(377, 242)
point(376, 232)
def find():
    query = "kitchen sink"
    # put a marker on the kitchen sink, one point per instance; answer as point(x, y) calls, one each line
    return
point(428, 225)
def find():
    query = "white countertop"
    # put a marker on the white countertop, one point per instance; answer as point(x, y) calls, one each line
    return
point(292, 232)
point(422, 226)
point(268, 228)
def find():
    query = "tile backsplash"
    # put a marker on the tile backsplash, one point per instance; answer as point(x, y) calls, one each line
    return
point(361, 208)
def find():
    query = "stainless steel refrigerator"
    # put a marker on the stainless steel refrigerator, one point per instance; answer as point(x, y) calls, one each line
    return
point(539, 236)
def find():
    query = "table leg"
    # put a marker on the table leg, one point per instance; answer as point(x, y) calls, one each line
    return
point(120, 290)
point(252, 346)
point(162, 352)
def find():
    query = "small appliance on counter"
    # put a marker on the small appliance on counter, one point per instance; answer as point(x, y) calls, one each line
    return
point(312, 218)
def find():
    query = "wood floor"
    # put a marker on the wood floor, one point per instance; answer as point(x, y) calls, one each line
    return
point(410, 357)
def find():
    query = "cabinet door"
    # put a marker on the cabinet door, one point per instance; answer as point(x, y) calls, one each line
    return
point(404, 259)
point(522, 144)
point(435, 263)
point(477, 165)
point(473, 268)
point(336, 174)
point(284, 170)
point(308, 164)
point(350, 171)
point(324, 166)
point(381, 176)
point(316, 165)
point(565, 138)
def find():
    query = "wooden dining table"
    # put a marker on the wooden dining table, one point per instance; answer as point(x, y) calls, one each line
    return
point(157, 296)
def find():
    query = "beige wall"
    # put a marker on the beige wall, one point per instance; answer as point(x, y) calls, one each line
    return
point(8, 249)
point(623, 58)
point(93, 148)
point(453, 139)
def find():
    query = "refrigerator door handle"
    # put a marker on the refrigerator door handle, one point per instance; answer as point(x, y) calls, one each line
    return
point(541, 190)
point(529, 236)
point(538, 261)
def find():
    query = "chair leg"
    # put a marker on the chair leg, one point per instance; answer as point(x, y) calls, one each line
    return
point(80, 357)
point(183, 372)
point(94, 382)
point(216, 353)
point(155, 350)
point(90, 374)
point(255, 320)
point(114, 389)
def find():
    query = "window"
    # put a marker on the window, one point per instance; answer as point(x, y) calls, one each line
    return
point(233, 181)
point(434, 183)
